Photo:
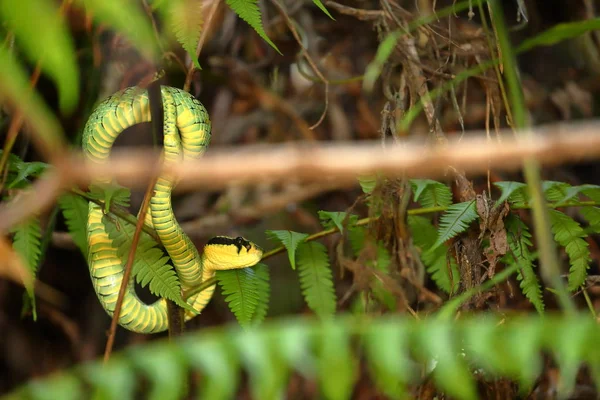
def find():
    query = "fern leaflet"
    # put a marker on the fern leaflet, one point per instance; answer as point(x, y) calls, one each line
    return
point(569, 234)
point(75, 210)
point(592, 216)
point(440, 264)
point(329, 219)
point(248, 11)
point(27, 244)
point(514, 192)
point(150, 265)
point(556, 192)
point(519, 241)
point(240, 289)
point(455, 220)
point(319, 4)
point(430, 193)
point(290, 240)
point(186, 19)
point(316, 278)
point(264, 292)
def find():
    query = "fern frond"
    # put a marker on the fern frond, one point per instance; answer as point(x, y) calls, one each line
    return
point(445, 276)
point(329, 219)
point(519, 241)
point(556, 192)
point(75, 211)
point(455, 220)
point(186, 19)
point(591, 191)
point(290, 240)
point(316, 279)
point(150, 266)
point(240, 288)
point(592, 216)
point(569, 234)
point(429, 193)
point(109, 194)
point(459, 353)
point(367, 183)
point(514, 192)
point(264, 292)
point(248, 11)
point(27, 243)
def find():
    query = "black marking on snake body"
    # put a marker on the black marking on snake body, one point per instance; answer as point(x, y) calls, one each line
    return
point(238, 242)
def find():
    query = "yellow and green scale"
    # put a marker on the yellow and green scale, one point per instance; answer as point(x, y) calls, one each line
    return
point(186, 137)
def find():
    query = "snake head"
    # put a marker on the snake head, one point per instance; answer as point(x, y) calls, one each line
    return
point(224, 252)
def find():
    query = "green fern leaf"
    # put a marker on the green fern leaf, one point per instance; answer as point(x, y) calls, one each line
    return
point(150, 266)
point(240, 288)
point(109, 194)
point(424, 234)
point(514, 192)
point(569, 234)
point(43, 34)
point(165, 369)
point(337, 368)
point(115, 382)
point(248, 11)
point(556, 192)
point(290, 240)
point(519, 241)
point(455, 220)
point(429, 193)
point(186, 19)
point(574, 191)
point(75, 211)
point(319, 4)
point(592, 192)
point(27, 243)
point(592, 216)
point(264, 292)
point(368, 183)
point(329, 219)
point(316, 279)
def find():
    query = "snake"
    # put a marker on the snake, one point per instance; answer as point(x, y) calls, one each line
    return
point(187, 134)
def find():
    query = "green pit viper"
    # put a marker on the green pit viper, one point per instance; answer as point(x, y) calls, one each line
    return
point(186, 136)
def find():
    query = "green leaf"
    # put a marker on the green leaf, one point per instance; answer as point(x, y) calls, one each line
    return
point(109, 194)
point(569, 234)
point(556, 191)
point(248, 11)
point(560, 32)
point(27, 244)
point(75, 211)
point(591, 191)
point(574, 191)
point(26, 171)
point(115, 382)
point(455, 220)
point(337, 369)
point(386, 345)
point(263, 290)
point(290, 240)
point(15, 88)
point(519, 241)
point(126, 17)
point(335, 218)
point(185, 18)
point(319, 4)
point(42, 33)
point(150, 266)
point(384, 51)
point(240, 289)
point(368, 183)
point(316, 279)
point(511, 191)
point(429, 193)
point(165, 369)
point(592, 216)
point(440, 263)
point(357, 236)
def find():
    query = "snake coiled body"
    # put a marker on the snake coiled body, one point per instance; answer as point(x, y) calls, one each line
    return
point(186, 136)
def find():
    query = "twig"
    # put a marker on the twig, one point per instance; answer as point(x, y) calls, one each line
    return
point(203, 35)
point(326, 163)
point(309, 59)
point(128, 268)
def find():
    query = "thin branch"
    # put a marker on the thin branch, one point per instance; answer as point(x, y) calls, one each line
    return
point(203, 35)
